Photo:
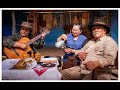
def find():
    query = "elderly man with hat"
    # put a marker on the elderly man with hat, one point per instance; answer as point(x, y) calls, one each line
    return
point(98, 53)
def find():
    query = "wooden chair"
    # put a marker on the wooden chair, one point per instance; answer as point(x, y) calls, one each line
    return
point(116, 62)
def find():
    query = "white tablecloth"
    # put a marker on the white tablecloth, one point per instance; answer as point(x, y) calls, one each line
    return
point(50, 73)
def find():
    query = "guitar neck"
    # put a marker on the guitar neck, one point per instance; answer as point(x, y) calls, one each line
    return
point(43, 34)
point(34, 39)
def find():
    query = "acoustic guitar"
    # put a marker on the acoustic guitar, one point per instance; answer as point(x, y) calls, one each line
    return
point(18, 52)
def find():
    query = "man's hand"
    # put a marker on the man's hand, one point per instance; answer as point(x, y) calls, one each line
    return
point(23, 46)
point(82, 55)
point(91, 65)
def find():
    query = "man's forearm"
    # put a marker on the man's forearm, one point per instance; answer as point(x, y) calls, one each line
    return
point(17, 44)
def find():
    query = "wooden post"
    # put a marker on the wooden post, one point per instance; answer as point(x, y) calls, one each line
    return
point(70, 18)
point(13, 23)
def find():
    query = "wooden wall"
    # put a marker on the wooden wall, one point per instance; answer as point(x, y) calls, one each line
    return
point(63, 25)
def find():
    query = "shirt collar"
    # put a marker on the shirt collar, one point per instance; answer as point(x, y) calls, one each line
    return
point(100, 39)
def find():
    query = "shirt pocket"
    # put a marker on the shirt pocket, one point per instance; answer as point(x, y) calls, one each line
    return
point(98, 50)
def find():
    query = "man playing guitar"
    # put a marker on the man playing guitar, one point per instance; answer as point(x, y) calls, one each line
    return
point(17, 44)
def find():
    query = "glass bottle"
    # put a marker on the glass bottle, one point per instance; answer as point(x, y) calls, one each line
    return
point(38, 56)
point(32, 54)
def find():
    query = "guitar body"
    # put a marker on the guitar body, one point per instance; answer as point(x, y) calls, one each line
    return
point(11, 53)
point(19, 53)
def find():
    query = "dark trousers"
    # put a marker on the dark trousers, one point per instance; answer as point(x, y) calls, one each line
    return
point(72, 61)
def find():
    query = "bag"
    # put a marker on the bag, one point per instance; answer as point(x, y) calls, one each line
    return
point(25, 64)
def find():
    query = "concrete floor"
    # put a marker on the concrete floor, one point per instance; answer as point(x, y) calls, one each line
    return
point(51, 51)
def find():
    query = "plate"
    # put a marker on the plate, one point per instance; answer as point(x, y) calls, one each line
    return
point(46, 65)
